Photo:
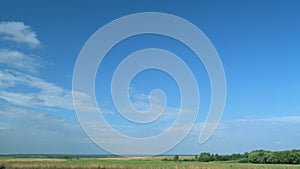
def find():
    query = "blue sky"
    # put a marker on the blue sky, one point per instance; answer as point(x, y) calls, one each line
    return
point(258, 43)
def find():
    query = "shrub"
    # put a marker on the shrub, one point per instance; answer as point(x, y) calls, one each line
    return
point(2, 166)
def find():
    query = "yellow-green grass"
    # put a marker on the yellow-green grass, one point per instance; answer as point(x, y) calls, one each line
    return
point(129, 163)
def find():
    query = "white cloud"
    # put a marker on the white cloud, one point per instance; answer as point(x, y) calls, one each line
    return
point(24, 125)
point(284, 119)
point(84, 102)
point(140, 101)
point(19, 60)
point(27, 131)
point(3, 128)
point(280, 119)
point(40, 92)
point(20, 33)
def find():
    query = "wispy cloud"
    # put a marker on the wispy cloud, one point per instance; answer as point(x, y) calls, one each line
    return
point(40, 92)
point(246, 134)
point(45, 93)
point(36, 132)
point(25, 100)
point(84, 102)
point(18, 83)
point(20, 33)
point(284, 119)
point(280, 119)
point(18, 60)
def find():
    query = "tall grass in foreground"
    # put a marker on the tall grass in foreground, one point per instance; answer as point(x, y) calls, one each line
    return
point(132, 164)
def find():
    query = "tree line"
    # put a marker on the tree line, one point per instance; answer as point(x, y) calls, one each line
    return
point(256, 156)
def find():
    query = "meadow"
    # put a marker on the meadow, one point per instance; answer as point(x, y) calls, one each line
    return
point(128, 163)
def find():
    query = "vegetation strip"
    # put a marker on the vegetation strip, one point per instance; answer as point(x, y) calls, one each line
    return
point(258, 159)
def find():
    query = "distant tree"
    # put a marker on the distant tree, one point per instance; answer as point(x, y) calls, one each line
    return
point(67, 157)
point(176, 158)
point(224, 157)
point(164, 159)
point(280, 157)
point(259, 156)
point(235, 156)
point(273, 159)
point(294, 157)
point(205, 157)
point(217, 157)
point(246, 155)
point(256, 156)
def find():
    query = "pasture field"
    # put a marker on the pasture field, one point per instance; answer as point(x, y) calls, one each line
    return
point(127, 163)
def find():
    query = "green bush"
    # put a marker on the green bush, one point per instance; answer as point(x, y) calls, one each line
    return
point(256, 156)
point(2, 166)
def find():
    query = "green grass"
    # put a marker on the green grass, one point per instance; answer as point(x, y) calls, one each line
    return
point(155, 163)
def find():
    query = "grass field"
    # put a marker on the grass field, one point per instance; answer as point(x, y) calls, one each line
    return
point(127, 163)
